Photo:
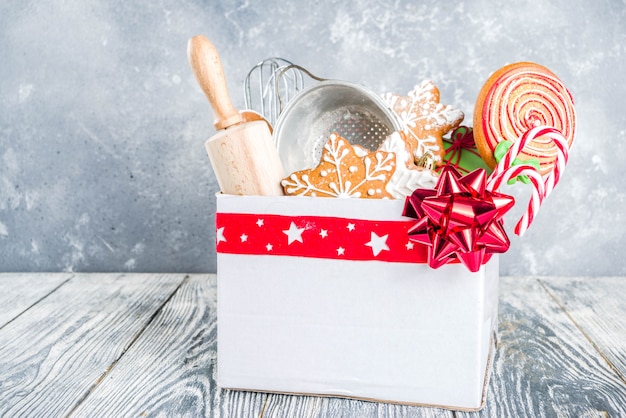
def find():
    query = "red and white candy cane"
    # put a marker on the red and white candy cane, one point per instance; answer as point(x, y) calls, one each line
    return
point(542, 187)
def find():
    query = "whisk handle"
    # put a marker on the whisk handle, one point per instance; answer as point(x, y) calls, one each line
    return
point(207, 67)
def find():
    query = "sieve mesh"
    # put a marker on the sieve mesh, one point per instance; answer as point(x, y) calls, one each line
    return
point(353, 112)
point(357, 126)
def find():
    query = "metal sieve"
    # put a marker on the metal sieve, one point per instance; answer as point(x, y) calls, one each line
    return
point(308, 120)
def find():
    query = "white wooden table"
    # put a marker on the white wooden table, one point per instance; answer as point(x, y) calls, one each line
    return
point(134, 345)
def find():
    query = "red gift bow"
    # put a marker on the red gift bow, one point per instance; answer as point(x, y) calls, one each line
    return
point(459, 219)
point(462, 218)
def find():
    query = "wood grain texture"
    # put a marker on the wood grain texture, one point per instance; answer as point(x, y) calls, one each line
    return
point(53, 354)
point(544, 365)
point(598, 307)
point(311, 406)
point(170, 370)
point(18, 292)
point(145, 345)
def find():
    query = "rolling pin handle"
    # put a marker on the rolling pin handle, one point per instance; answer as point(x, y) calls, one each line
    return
point(207, 67)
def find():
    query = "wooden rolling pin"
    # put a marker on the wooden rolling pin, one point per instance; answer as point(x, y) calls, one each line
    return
point(242, 152)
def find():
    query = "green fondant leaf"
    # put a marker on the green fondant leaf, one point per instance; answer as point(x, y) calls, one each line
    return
point(502, 148)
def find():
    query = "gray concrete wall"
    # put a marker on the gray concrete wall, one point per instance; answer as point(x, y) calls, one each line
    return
point(102, 165)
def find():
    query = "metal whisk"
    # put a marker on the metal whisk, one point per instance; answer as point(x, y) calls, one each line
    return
point(270, 85)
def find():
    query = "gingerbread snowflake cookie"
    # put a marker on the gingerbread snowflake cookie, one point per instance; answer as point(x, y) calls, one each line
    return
point(342, 172)
point(424, 120)
point(408, 176)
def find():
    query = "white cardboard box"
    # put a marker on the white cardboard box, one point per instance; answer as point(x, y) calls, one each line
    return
point(378, 330)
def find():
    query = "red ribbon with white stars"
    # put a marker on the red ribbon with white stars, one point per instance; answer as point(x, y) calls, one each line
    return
point(317, 237)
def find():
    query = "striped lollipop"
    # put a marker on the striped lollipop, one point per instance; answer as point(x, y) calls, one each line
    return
point(517, 98)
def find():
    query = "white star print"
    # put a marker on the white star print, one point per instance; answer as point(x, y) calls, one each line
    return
point(244, 237)
point(269, 247)
point(409, 245)
point(350, 227)
point(293, 233)
point(341, 251)
point(377, 243)
point(259, 222)
point(323, 233)
point(220, 235)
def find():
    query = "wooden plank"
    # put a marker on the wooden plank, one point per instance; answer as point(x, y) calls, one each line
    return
point(21, 291)
point(56, 351)
point(311, 406)
point(544, 365)
point(170, 370)
point(598, 306)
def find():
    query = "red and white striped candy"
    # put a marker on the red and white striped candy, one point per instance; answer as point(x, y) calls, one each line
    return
point(542, 187)
point(519, 97)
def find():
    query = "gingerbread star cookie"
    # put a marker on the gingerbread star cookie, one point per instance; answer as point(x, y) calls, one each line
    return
point(424, 120)
point(342, 172)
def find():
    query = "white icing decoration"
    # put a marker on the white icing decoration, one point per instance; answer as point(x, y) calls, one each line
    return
point(421, 108)
point(337, 150)
point(360, 151)
point(404, 180)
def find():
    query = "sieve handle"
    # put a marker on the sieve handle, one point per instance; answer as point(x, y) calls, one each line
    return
point(279, 75)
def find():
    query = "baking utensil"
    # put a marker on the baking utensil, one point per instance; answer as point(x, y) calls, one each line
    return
point(242, 152)
point(308, 120)
point(271, 83)
point(249, 115)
